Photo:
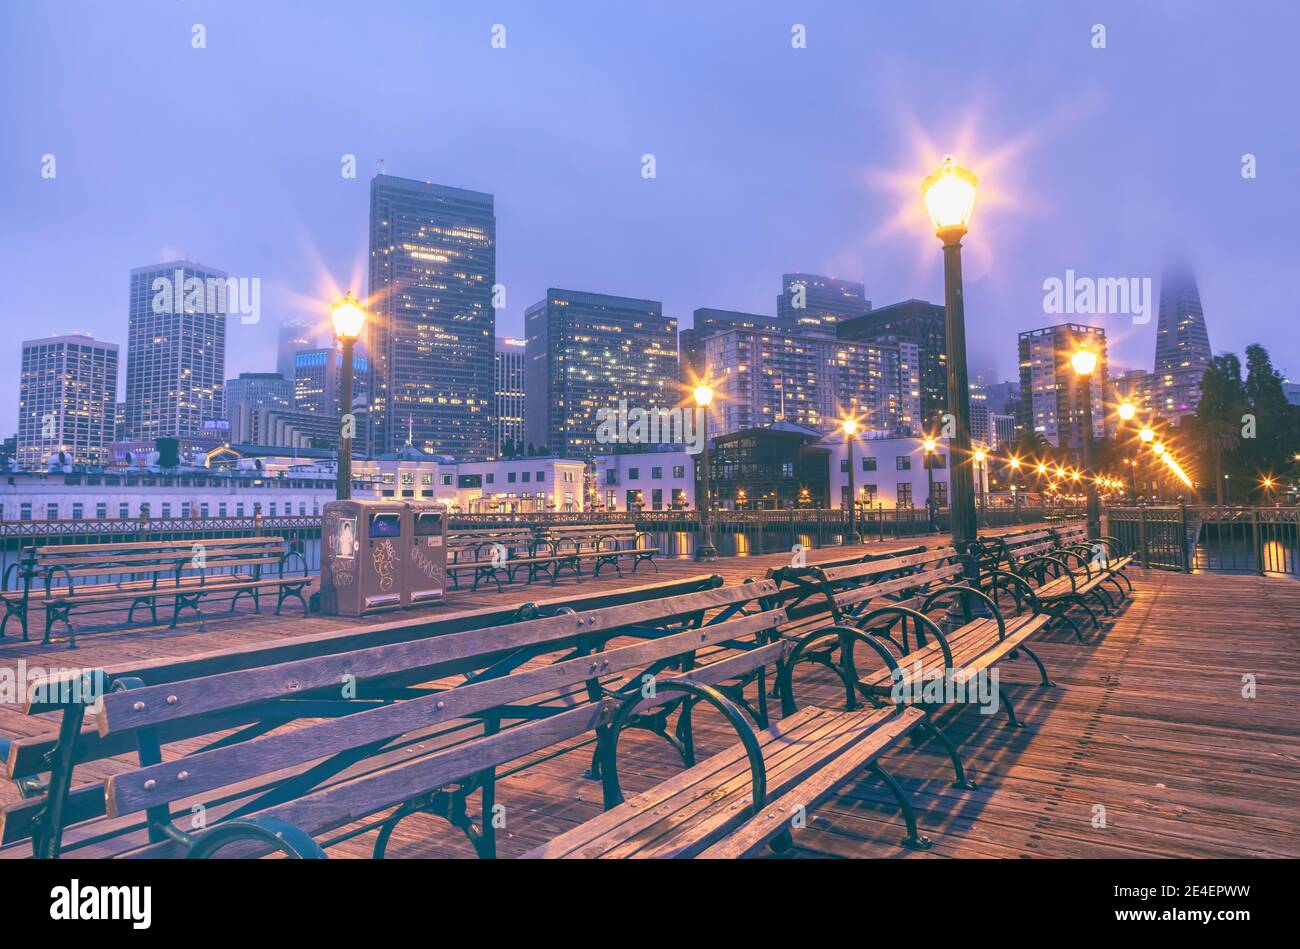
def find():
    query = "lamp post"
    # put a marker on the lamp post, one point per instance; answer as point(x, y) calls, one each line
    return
point(1015, 489)
point(705, 550)
point(1127, 411)
point(949, 196)
point(1146, 435)
point(850, 428)
point(931, 502)
point(348, 319)
point(1084, 362)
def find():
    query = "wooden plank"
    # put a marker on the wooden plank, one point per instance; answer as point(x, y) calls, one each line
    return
point(147, 787)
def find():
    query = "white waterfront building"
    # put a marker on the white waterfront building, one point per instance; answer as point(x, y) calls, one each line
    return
point(891, 471)
point(645, 480)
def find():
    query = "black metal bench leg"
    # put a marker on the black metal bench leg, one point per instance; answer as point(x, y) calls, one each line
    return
point(913, 840)
point(59, 614)
point(961, 778)
point(1038, 662)
point(1080, 602)
point(1012, 721)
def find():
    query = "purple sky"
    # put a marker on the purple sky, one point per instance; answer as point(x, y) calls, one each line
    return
point(769, 159)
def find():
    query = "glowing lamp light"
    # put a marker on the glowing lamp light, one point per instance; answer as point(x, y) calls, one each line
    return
point(929, 445)
point(1074, 476)
point(1127, 411)
point(1147, 435)
point(1042, 468)
point(850, 426)
point(703, 395)
point(348, 318)
point(949, 198)
point(1015, 463)
point(1158, 448)
point(1084, 362)
point(979, 455)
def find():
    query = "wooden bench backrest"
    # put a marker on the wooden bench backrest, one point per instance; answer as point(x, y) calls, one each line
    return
point(205, 771)
point(151, 548)
point(370, 793)
point(883, 567)
point(442, 655)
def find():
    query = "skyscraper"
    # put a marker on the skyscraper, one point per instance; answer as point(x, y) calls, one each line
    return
point(509, 409)
point(316, 376)
point(176, 350)
point(706, 322)
point(432, 328)
point(810, 380)
point(1182, 343)
point(922, 323)
point(67, 399)
point(1049, 389)
point(588, 351)
point(809, 303)
point(259, 389)
point(294, 336)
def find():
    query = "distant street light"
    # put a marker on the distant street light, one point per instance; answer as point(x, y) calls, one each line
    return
point(850, 428)
point(949, 196)
point(1084, 362)
point(705, 550)
point(348, 319)
point(1127, 410)
point(931, 502)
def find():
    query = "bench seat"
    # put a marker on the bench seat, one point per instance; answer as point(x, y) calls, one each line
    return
point(706, 810)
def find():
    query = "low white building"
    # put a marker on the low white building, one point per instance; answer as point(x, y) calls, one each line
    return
point(507, 485)
point(184, 493)
point(891, 471)
point(645, 480)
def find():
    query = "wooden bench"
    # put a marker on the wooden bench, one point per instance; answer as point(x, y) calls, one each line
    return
point(624, 542)
point(957, 658)
point(726, 805)
point(1064, 568)
point(109, 577)
point(206, 697)
point(803, 589)
point(478, 553)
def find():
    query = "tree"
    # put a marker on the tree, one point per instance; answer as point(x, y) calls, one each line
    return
point(1276, 429)
point(1217, 425)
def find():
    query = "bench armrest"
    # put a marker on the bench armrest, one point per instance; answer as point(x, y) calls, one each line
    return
point(278, 834)
point(959, 589)
point(608, 737)
point(1018, 584)
point(920, 619)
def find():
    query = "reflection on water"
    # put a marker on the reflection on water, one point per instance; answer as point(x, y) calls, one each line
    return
point(1236, 554)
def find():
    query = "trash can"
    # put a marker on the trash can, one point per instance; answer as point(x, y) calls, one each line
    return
point(426, 564)
point(363, 554)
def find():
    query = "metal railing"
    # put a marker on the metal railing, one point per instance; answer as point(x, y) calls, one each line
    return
point(1208, 538)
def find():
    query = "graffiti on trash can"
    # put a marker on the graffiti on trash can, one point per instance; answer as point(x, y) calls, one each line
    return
point(384, 555)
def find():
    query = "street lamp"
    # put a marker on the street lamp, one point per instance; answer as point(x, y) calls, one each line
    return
point(1015, 494)
point(949, 196)
point(931, 502)
point(1084, 362)
point(850, 428)
point(705, 551)
point(348, 319)
point(981, 473)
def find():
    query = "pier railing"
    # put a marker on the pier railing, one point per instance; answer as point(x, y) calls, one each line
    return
point(737, 532)
point(1210, 538)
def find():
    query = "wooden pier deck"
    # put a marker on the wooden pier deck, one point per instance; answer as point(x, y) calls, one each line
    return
point(1148, 721)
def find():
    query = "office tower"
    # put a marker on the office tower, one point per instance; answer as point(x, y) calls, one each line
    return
point(1292, 391)
point(922, 323)
point(67, 399)
point(812, 381)
point(316, 376)
point(980, 432)
point(1002, 430)
point(1182, 343)
point(432, 328)
point(708, 321)
point(294, 336)
point(1003, 397)
point(588, 351)
point(827, 302)
point(260, 389)
point(176, 350)
point(509, 408)
point(1049, 401)
point(1140, 387)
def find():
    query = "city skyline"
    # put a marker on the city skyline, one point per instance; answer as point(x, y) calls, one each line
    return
point(760, 200)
